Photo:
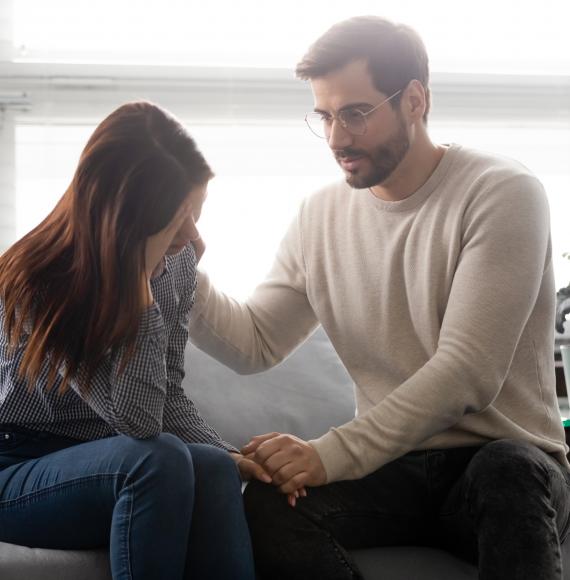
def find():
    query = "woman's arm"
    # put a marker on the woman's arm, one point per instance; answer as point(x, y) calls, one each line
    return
point(181, 417)
point(132, 401)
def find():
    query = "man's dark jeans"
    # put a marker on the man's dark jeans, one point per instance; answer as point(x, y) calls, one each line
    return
point(504, 506)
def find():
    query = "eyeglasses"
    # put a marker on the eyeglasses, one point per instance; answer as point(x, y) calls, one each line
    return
point(352, 120)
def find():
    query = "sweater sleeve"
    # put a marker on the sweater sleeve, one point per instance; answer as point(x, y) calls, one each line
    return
point(505, 254)
point(253, 336)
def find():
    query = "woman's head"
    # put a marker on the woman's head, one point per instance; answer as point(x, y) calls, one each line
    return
point(76, 278)
point(135, 172)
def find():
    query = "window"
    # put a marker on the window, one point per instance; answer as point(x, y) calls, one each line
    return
point(510, 36)
point(262, 173)
point(501, 82)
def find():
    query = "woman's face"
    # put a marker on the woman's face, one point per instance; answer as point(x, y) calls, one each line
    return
point(188, 231)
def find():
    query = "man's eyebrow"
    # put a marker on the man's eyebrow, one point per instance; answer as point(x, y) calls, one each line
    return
point(346, 107)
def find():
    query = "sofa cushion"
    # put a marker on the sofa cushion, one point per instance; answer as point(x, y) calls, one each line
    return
point(305, 395)
point(394, 563)
point(412, 563)
point(21, 563)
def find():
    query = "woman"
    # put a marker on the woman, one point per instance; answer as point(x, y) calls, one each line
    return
point(98, 443)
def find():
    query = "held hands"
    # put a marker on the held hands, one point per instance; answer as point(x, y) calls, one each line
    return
point(248, 469)
point(291, 462)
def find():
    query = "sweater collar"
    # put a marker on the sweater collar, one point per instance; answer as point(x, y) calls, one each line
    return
point(421, 194)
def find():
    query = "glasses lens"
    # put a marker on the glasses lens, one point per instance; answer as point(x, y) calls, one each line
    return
point(353, 121)
point(316, 124)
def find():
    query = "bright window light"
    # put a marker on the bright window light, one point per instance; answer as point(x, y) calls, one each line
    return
point(262, 174)
point(506, 36)
point(261, 180)
point(265, 164)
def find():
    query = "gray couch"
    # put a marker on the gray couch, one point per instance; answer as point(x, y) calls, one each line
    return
point(306, 395)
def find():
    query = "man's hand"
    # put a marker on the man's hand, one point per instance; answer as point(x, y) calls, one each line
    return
point(291, 462)
point(248, 469)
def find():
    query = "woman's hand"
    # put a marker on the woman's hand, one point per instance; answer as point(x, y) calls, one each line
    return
point(248, 469)
point(292, 463)
point(157, 246)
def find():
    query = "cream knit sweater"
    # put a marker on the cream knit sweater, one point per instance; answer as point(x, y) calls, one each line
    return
point(441, 307)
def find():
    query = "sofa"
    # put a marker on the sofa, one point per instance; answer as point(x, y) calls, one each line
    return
point(305, 395)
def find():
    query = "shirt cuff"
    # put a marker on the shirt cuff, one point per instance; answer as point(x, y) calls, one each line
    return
point(202, 290)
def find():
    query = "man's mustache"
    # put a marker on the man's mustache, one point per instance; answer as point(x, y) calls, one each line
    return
point(350, 153)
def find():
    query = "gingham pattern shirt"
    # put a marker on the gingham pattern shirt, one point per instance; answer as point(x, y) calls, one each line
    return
point(144, 400)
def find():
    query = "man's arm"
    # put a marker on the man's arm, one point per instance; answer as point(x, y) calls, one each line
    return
point(505, 259)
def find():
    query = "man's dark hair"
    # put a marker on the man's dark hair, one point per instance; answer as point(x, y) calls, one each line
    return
point(394, 52)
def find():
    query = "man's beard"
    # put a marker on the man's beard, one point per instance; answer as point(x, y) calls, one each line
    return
point(385, 158)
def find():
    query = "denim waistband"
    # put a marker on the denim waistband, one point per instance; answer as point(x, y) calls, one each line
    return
point(36, 433)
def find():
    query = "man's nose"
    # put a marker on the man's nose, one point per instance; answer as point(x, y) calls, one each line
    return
point(339, 137)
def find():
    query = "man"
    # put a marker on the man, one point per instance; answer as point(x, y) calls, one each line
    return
point(430, 271)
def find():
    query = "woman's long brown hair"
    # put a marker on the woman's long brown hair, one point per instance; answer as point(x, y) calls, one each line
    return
point(72, 285)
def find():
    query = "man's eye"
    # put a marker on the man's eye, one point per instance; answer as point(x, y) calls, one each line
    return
point(325, 117)
point(351, 115)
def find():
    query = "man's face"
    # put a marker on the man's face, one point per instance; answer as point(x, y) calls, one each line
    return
point(370, 159)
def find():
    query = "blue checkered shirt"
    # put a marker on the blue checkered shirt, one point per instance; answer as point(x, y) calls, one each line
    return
point(144, 400)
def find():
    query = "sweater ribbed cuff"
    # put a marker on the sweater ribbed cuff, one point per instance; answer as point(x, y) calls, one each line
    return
point(336, 460)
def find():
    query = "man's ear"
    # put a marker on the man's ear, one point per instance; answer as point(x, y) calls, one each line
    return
point(415, 100)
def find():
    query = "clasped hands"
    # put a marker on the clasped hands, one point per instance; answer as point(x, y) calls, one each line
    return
point(284, 460)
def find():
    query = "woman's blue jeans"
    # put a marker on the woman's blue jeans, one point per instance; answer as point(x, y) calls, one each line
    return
point(168, 510)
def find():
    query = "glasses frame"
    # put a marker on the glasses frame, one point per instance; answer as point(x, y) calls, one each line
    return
point(339, 117)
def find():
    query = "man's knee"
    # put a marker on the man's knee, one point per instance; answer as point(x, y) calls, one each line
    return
point(267, 511)
point(263, 499)
point(509, 472)
point(506, 459)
